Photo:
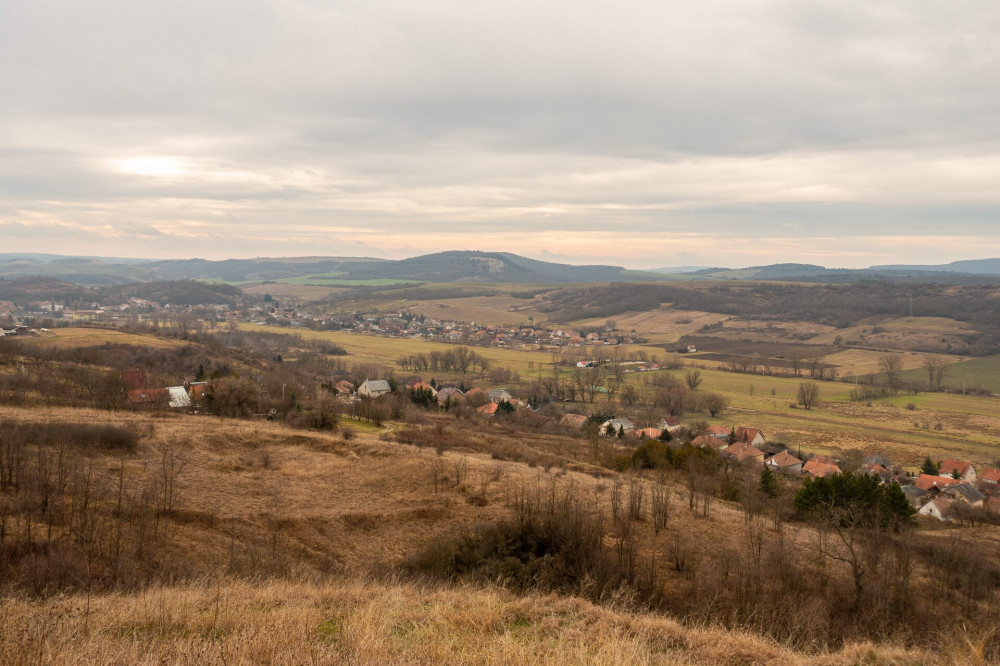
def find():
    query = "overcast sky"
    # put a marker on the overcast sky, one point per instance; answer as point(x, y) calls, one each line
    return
point(641, 133)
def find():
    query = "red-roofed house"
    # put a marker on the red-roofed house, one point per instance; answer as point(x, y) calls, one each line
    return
point(489, 408)
point(818, 469)
point(750, 436)
point(645, 433)
point(990, 477)
point(964, 470)
point(573, 421)
point(721, 432)
point(931, 482)
point(785, 463)
point(745, 452)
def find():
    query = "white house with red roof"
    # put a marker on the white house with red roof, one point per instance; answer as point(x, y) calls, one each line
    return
point(958, 468)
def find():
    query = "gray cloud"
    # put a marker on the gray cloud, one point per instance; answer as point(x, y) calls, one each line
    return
point(278, 127)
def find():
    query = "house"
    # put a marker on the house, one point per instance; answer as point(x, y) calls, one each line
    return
point(965, 493)
point(617, 424)
point(785, 463)
point(450, 395)
point(876, 470)
point(719, 432)
point(422, 386)
point(958, 469)
point(575, 421)
point(670, 424)
point(929, 482)
point(939, 508)
point(825, 459)
point(149, 397)
point(374, 388)
point(706, 442)
point(499, 395)
point(344, 387)
point(489, 409)
point(177, 397)
point(915, 495)
point(744, 452)
point(646, 433)
point(750, 436)
point(817, 469)
point(990, 477)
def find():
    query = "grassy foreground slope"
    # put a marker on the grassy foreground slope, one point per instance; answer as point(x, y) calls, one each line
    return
point(365, 622)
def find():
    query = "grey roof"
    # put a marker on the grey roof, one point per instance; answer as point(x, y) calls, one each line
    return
point(178, 396)
point(376, 385)
point(968, 493)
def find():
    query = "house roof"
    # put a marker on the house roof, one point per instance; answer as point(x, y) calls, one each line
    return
point(747, 434)
point(651, 433)
point(929, 481)
point(718, 431)
point(145, 396)
point(376, 385)
point(825, 459)
point(488, 408)
point(743, 451)
point(783, 459)
point(178, 397)
point(942, 505)
point(573, 420)
point(990, 475)
point(950, 466)
point(820, 469)
point(964, 491)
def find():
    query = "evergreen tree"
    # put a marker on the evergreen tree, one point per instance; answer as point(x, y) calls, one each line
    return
point(929, 467)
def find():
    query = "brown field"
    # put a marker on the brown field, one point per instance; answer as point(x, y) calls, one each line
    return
point(306, 292)
point(496, 310)
point(665, 325)
point(72, 338)
point(936, 334)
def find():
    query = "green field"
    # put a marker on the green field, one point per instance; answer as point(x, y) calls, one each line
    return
point(971, 375)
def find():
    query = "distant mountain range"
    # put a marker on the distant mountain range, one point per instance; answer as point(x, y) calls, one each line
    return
point(444, 267)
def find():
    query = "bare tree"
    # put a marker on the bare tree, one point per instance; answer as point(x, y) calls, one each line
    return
point(715, 403)
point(891, 365)
point(693, 379)
point(808, 394)
point(936, 369)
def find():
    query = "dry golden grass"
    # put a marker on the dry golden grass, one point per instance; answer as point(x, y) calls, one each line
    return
point(71, 338)
point(664, 325)
point(497, 310)
point(349, 620)
point(905, 333)
point(309, 292)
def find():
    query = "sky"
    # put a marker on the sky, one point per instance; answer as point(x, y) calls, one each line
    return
point(638, 133)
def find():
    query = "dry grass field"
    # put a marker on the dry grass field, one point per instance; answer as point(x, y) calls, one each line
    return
point(357, 621)
point(496, 310)
point(905, 333)
point(661, 326)
point(76, 337)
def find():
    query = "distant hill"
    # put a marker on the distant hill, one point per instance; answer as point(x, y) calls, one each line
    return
point(503, 267)
point(451, 266)
point(176, 292)
point(973, 266)
point(37, 288)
